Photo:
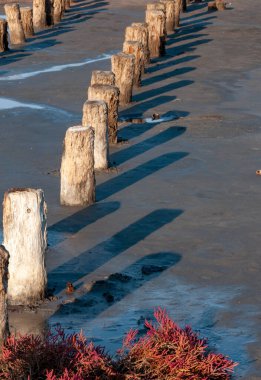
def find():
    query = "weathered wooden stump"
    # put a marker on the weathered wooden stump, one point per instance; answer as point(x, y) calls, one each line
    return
point(123, 66)
point(135, 48)
point(49, 12)
point(102, 77)
point(58, 8)
point(3, 35)
point(67, 4)
point(178, 6)
point(4, 326)
point(170, 15)
point(77, 167)
point(156, 25)
point(138, 31)
point(27, 21)
point(220, 4)
point(95, 114)
point(15, 26)
point(24, 227)
point(110, 95)
point(39, 14)
point(161, 6)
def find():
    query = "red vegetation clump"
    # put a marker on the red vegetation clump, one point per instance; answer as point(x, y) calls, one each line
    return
point(166, 352)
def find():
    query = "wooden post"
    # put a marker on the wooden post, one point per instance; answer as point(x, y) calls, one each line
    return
point(220, 4)
point(102, 77)
point(138, 31)
point(13, 16)
point(67, 4)
point(4, 327)
point(159, 7)
point(95, 114)
point(156, 24)
point(27, 21)
point(178, 5)
point(170, 15)
point(135, 48)
point(57, 11)
point(77, 167)
point(123, 67)
point(3, 35)
point(110, 95)
point(24, 225)
point(49, 12)
point(184, 5)
point(39, 14)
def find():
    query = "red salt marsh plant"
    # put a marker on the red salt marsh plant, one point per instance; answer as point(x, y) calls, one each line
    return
point(166, 352)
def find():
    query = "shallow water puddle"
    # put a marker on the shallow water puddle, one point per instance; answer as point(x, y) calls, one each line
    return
point(151, 120)
point(56, 68)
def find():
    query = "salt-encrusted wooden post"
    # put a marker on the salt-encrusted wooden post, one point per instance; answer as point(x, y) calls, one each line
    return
point(220, 4)
point(39, 14)
point(16, 31)
point(95, 114)
point(27, 21)
point(170, 15)
point(77, 167)
point(57, 11)
point(178, 5)
point(159, 7)
point(123, 67)
point(67, 4)
point(103, 77)
point(110, 95)
point(135, 48)
point(4, 327)
point(3, 35)
point(24, 227)
point(49, 12)
point(138, 31)
point(156, 24)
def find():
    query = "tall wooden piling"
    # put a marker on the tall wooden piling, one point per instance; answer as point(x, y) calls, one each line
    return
point(27, 21)
point(39, 14)
point(95, 114)
point(24, 227)
point(15, 26)
point(3, 35)
point(77, 167)
point(123, 66)
point(4, 327)
point(170, 15)
point(110, 95)
point(178, 7)
point(135, 48)
point(138, 31)
point(102, 77)
point(156, 24)
point(161, 6)
point(58, 8)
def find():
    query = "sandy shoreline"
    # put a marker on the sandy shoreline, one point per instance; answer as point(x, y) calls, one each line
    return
point(184, 196)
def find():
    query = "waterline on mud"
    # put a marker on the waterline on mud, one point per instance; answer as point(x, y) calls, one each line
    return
point(56, 68)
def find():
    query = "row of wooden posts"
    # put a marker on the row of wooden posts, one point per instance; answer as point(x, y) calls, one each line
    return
point(86, 149)
point(23, 22)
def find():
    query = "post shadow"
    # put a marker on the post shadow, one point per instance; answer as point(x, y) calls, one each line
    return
point(10, 56)
point(156, 91)
point(144, 146)
point(141, 107)
point(105, 293)
point(126, 179)
point(170, 62)
point(90, 260)
point(188, 47)
point(59, 231)
point(169, 74)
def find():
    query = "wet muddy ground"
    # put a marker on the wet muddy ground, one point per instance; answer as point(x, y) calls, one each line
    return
point(177, 221)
